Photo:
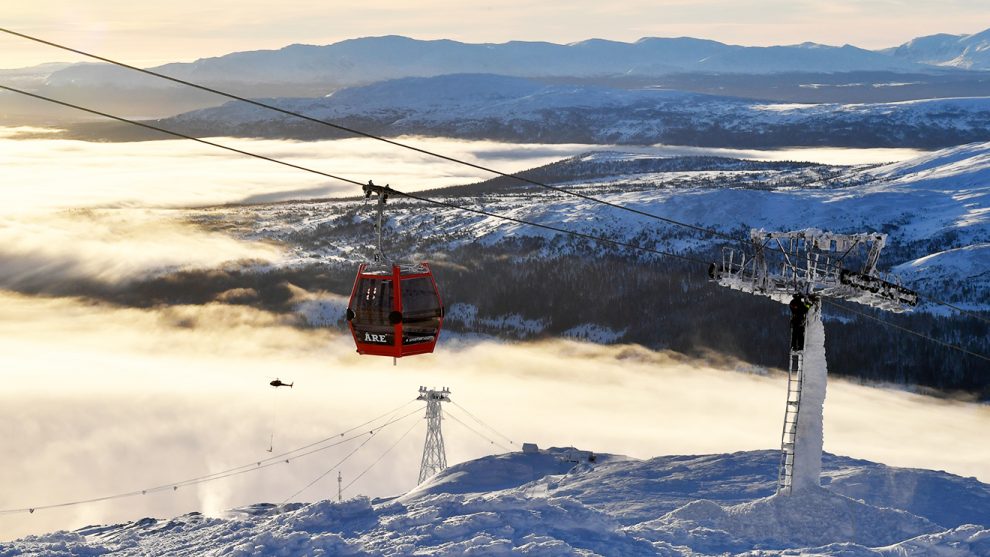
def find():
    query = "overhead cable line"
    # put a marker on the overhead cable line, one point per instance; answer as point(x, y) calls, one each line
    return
point(361, 133)
point(481, 423)
point(906, 330)
point(346, 457)
point(177, 134)
point(437, 202)
point(254, 466)
point(354, 131)
point(355, 182)
point(476, 432)
point(380, 457)
point(955, 307)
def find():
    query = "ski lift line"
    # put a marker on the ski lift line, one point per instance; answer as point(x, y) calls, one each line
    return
point(294, 453)
point(436, 202)
point(409, 195)
point(483, 424)
point(174, 486)
point(906, 330)
point(361, 133)
point(400, 144)
point(379, 459)
point(476, 432)
point(354, 182)
point(258, 465)
point(331, 469)
point(264, 464)
point(706, 230)
point(349, 455)
point(951, 306)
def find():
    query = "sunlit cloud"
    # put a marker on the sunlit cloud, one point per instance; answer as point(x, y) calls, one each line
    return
point(102, 212)
point(53, 174)
point(100, 400)
point(110, 247)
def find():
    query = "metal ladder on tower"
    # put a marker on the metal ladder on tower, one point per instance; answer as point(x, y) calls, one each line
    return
point(795, 376)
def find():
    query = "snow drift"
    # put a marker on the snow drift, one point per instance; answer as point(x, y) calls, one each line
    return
point(563, 501)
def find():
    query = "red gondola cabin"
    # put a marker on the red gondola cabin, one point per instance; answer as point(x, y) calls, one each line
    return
point(395, 311)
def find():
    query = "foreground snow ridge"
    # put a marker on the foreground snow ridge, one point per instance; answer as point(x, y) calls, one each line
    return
point(563, 501)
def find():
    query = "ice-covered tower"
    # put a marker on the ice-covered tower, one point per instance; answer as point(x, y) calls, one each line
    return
point(434, 454)
point(801, 268)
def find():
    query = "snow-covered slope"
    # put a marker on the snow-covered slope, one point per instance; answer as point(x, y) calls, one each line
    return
point(971, 52)
point(561, 502)
point(935, 209)
point(481, 106)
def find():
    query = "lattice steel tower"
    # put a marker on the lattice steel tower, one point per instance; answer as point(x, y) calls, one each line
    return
point(807, 266)
point(434, 455)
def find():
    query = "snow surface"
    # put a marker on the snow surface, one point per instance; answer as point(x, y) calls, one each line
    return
point(560, 502)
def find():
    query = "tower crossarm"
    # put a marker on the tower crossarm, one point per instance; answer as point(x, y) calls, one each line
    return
point(813, 262)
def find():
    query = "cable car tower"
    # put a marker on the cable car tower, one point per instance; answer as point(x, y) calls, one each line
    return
point(434, 454)
point(807, 266)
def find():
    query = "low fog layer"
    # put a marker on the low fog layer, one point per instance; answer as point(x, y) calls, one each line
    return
point(101, 400)
point(52, 173)
point(98, 212)
point(48, 173)
point(74, 211)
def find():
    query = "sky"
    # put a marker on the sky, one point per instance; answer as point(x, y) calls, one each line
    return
point(150, 33)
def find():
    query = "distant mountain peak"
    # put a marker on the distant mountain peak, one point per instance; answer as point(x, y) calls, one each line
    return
point(956, 51)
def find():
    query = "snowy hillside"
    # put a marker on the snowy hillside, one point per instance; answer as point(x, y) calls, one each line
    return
point(477, 106)
point(568, 502)
point(971, 52)
point(931, 208)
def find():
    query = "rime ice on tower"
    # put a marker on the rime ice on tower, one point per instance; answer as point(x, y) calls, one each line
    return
point(807, 266)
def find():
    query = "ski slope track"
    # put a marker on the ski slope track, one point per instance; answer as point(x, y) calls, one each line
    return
point(564, 501)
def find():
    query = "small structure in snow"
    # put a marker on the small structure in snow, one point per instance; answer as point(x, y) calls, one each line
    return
point(530, 448)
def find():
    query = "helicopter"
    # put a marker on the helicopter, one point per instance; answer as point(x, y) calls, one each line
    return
point(278, 383)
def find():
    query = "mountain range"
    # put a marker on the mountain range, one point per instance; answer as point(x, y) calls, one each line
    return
point(371, 59)
point(954, 51)
point(927, 67)
point(480, 106)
